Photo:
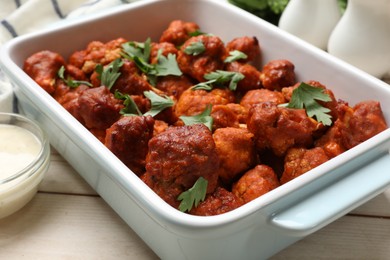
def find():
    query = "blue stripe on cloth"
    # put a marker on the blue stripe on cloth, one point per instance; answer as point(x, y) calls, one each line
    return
point(9, 28)
point(17, 3)
point(57, 9)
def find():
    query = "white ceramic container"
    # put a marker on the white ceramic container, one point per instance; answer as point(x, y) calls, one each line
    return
point(256, 230)
point(24, 160)
point(362, 37)
point(311, 20)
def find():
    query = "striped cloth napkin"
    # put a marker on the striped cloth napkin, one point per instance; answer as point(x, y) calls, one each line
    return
point(19, 17)
point(23, 16)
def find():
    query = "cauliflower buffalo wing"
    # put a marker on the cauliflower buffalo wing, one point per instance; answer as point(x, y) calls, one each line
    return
point(180, 155)
point(128, 139)
point(255, 182)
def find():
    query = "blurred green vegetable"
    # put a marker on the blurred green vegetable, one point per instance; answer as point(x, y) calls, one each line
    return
point(342, 5)
point(271, 10)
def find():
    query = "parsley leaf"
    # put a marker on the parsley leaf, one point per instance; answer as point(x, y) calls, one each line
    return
point(196, 33)
point(71, 82)
point(235, 55)
point(110, 73)
point(131, 108)
point(137, 49)
point(202, 118)
point(207, 85)
point(144, 66)
point(220, 77)
point(158, 103)
point(193, 196)
point(140, 54)
point(167, 65)
point(305, 96)
point(195, 48)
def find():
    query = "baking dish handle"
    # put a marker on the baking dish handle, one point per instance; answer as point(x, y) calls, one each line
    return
point(314, 212)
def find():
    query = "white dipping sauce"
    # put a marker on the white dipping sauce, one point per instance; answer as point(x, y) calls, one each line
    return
point(18, 148)
point(24, 159)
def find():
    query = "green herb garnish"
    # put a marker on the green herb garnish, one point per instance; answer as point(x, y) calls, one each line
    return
point(167, 65)
point(195, 48)
point(220, 77)
point(305, 96)
point(196, 33)
point(202, 118)
point(158, 103)
point(235, 55)
point(110, 73)
point(144, 66)
point(137, 49)
point(131, 108)
point(71, 82)
point(140, 54)
point(207, 85)
point(193, 196)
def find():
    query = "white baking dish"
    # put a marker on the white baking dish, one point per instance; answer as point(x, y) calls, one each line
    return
point(256, 230)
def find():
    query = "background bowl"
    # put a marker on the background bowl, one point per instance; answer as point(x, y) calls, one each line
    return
point(19, 183)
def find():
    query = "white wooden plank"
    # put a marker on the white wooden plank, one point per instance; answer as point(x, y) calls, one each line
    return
point(54, 226)
point(347, 238)
point(62, 178)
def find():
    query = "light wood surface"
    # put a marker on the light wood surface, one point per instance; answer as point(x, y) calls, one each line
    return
point(68, 220)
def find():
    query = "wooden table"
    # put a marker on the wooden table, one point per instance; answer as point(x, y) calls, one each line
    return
point(68, 220)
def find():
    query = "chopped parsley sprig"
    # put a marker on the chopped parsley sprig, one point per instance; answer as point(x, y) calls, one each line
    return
point(193, 196)
point(131, 108)
point(71, 82)
point(158, 103)
point(137, 49)
point(196, 33)
point(110, 73)
point(202, 118)
point(219, 77)
point(305, 96)
point(140, 53)
point(167, 65)
point(195, 48)
point(235, 55)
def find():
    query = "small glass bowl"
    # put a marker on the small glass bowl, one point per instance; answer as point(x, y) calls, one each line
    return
point(19, 187)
